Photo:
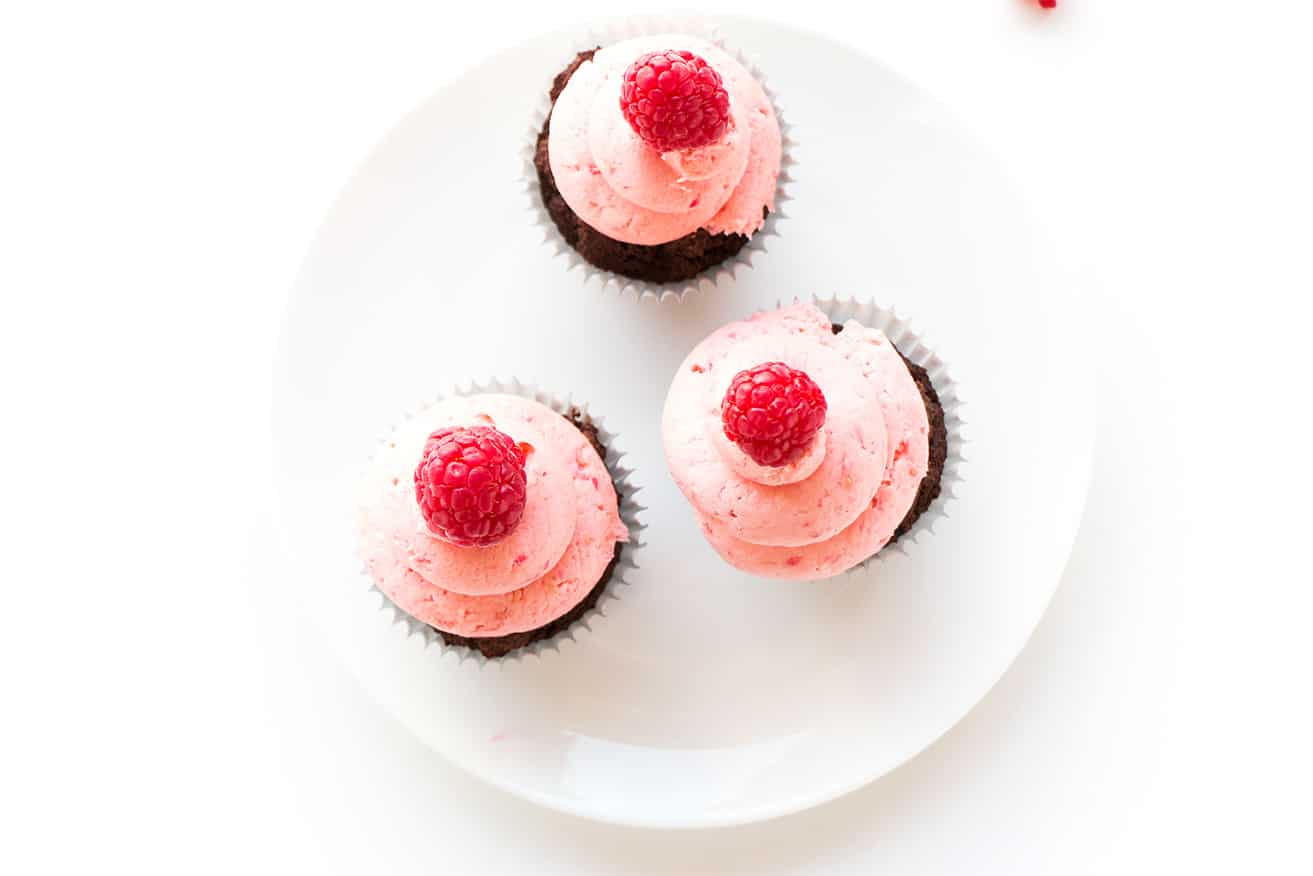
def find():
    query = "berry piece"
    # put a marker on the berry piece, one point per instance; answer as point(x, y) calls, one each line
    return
point(674, 100)
point(1049, 4)
point(470, 485)
point(772, 412)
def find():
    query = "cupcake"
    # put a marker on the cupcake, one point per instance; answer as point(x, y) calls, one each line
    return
point(493, 519)
point(804, 446)
point(659, 158)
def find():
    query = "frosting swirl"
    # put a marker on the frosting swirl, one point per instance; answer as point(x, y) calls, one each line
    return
point(817, 517)
point(630, 192)
point(544, 568)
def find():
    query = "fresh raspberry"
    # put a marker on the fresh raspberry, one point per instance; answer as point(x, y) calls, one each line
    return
point(773, 412)
point(1049, 4)
point(470, 485)
point(674, 100)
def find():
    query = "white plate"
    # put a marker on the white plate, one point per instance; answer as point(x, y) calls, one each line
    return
point(704, 697)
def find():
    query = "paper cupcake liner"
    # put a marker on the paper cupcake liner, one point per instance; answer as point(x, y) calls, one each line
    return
point(913, 345)
point(629, 515)
point(711, 278)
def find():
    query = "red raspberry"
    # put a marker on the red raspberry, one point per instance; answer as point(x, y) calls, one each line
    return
point(470, 485)
point(674, 100)
point(1049, 4)
point(773, 412)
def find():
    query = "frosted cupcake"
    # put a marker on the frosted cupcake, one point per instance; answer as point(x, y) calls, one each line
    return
point(804, 447)
point(660, 157)
point(493, 519)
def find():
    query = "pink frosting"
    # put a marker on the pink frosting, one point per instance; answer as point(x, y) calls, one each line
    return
point(875, 454)
point(553, 558)
point(772, 476)
point(626, 189)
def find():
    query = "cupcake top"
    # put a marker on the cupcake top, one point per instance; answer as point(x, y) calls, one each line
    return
point(825, 501)
point(488, 515)
point(641, 172)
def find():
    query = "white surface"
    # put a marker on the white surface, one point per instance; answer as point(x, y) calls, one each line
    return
point(705, 697)
point(162, 171)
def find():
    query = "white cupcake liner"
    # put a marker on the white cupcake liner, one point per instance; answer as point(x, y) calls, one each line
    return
point(913, 346)
point(723, 274)
point(629, 511)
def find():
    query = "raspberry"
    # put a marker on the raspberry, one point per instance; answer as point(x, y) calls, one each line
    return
point(674, 100)
point(773, 412)
point(1049, 4)
point(470, 485)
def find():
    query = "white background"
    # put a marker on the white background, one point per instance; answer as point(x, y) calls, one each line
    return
point(162, 169)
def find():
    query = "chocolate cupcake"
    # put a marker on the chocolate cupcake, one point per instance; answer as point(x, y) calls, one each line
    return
point(658, 160)
point(493, 519)
point(806, 442)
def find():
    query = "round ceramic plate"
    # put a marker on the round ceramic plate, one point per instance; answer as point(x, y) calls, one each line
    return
point(703, 696)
